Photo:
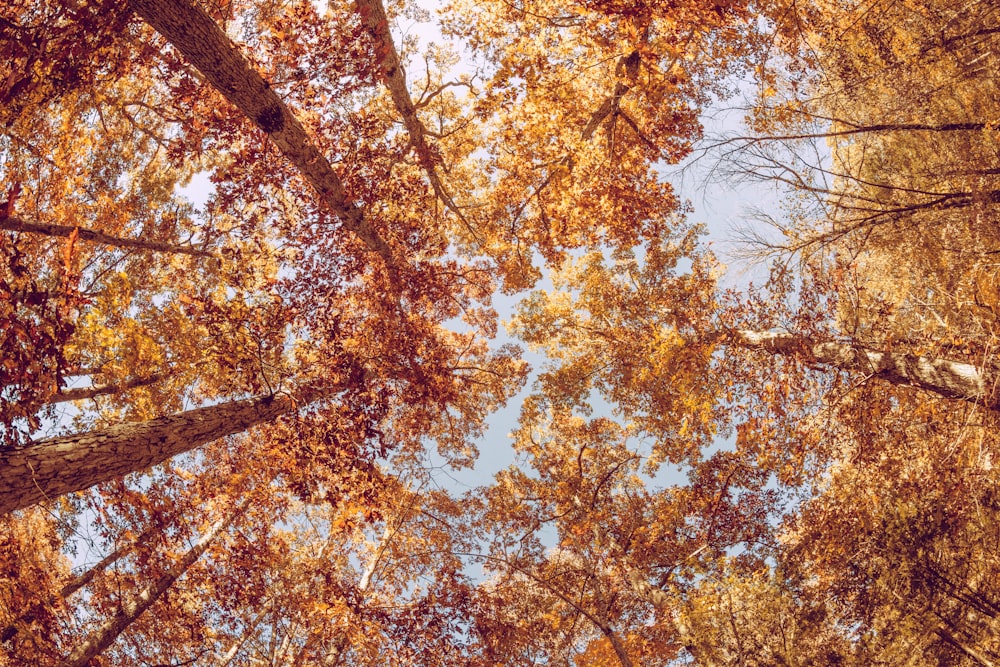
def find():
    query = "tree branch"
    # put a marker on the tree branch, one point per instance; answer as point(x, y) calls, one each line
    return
point(15, 224)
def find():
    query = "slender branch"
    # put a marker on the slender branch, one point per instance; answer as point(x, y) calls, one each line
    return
point(249, 629)
point(83, 393)
point(854, 129)
point(16, 224)
point(972, 651)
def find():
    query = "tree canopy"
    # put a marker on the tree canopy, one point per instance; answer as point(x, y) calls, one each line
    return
point(228, 426)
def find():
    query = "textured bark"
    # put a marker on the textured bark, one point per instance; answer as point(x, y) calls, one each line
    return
point(374, 19)
point(49, 468)
point(952, 379)
point(84, 393)
point(104, 636)
point(195, 34)
point(15, 224)
point(627, 72)
point(376, 22)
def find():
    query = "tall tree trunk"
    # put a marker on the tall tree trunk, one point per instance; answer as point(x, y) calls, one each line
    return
point(49, 468)
point(952, 379)
point(15, 224)
point(195, 34)
point(104, 636)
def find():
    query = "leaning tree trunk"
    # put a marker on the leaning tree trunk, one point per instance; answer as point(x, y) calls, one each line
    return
point(49, 468)
point(951, 379)
point(194, 33)
point(374, 18)
point(107, 633)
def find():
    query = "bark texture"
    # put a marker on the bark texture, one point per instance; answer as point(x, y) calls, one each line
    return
point(49, 468)
point(203, 43)
point(952, 379)
point(374, 18)
point(15, 224)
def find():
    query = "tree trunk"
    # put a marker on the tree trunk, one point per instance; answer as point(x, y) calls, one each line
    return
point(85, 578)
point(15, 224)
point(376, 22)
point(373, 17)
point(971, 651)
point(195, 34)
point(952, 379)
point(104, 636)
point(49, 468)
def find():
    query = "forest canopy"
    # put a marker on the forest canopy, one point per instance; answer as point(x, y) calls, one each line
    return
point(229, 424)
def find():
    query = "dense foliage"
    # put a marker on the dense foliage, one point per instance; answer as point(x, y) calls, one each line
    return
point(227, 428)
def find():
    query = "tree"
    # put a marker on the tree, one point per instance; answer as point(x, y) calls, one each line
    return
point(297, 345)
point(109, 631)
point(909, 555)
point(220, 63)
point(293, 142)
point(33, 566)
point(909, 192)
point(757, 619)
point(47, 469)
